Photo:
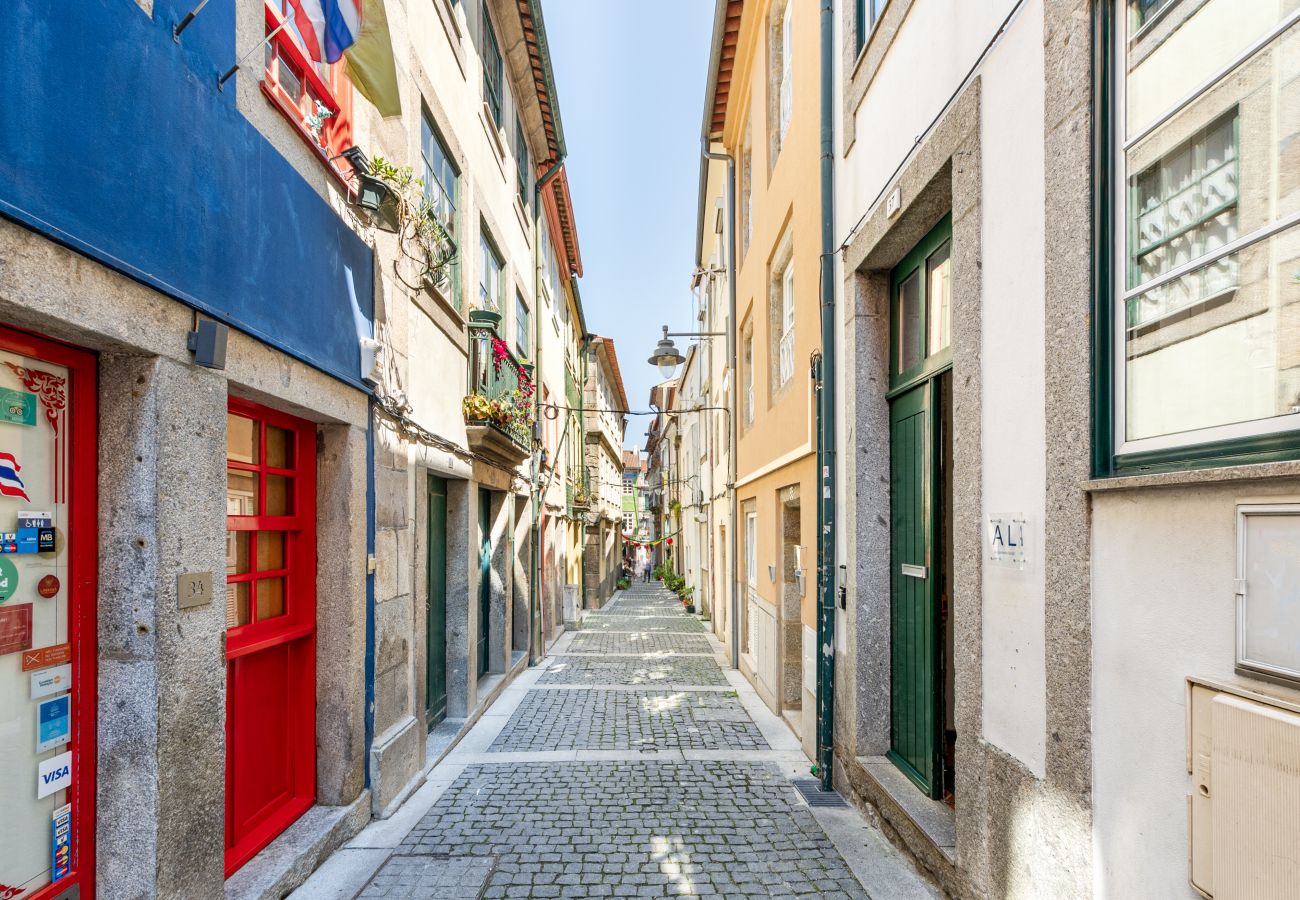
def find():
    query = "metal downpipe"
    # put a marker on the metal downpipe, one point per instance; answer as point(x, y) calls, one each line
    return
point(826, 435)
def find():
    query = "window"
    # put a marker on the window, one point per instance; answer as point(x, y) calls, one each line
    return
point(523, 327)
point(492, 275)
point(782, 68)
point(866, 15)
point(921, 291)
point(1199, 322)
point(522, 164)
point(440, 183)
point(746, 190)
point(786, 350)
point(316, 97)
point(751, 550)
point(493, 71)
point(748, 360)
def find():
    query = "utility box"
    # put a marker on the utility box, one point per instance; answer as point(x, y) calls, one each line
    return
point(572, 603)
point(1244, 807)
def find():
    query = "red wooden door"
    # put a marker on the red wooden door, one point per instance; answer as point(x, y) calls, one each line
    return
point(271, 626)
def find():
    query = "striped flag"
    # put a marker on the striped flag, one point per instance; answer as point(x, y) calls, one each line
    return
point(328, 27)
point(10, 484)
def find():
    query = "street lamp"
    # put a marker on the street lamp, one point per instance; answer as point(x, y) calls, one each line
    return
point(666, 355)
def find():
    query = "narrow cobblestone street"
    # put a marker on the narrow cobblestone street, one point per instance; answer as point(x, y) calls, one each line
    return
point(629, 764)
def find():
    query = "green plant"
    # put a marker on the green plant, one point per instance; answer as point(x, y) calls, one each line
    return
point(422, 237)
point(659, 572)
point(624, 583)
point(686, 593)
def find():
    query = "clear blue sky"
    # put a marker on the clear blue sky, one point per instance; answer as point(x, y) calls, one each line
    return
point(630, 77)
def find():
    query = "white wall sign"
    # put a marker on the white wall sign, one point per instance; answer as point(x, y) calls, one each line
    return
point(51, 681)
point(1008, 537)
point(54, 774)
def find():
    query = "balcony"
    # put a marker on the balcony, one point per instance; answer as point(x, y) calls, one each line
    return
point(578, 494)
point(499, 407)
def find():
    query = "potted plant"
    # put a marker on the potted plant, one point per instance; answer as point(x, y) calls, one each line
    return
point(485, 317)
point(687, 594)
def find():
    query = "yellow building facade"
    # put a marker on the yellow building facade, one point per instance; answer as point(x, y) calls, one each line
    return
point(764, 109)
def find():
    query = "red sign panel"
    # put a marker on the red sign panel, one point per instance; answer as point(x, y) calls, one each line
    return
point(15, 628)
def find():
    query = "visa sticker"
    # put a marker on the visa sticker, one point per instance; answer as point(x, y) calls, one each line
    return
point(54, 774)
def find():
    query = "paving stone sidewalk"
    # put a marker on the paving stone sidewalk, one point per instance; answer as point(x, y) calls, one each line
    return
point(545, 825)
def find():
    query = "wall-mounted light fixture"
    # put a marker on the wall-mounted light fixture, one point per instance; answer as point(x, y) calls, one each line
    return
point(208, 344)
point(373, 194)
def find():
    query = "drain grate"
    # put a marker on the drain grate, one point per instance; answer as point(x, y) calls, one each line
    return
point(813, 795)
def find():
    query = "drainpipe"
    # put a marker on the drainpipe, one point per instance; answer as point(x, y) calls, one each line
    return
point(582, 464)
point(370, 587)
point(534, 551)
point(826, 433)
point(708, 154)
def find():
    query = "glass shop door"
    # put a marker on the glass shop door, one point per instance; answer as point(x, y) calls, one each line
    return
point(47, 618)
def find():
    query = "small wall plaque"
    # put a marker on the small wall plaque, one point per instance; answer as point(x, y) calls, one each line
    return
point(193, 589)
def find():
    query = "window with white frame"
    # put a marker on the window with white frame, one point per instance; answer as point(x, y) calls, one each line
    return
point(751, 550)
point(1206, 255)
point(747, 360)
point(785, 351)
point(492, 273)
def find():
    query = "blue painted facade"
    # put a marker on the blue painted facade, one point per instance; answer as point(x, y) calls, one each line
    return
point(115, 141)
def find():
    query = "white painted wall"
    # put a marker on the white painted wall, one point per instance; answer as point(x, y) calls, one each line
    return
point(1163, 565)
point(1013, 430)
point(936, 46)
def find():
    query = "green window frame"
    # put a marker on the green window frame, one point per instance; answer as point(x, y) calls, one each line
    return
point(441, 189)
point(920, 292)
point(493, 70)
point(523, 320)
point(522, 164)
point(1131, 300)
point(866, 13)
point(492, 271)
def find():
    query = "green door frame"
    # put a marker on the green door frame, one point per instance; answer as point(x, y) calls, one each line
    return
point(916, 633)
point(436, 603)
point(484, 576)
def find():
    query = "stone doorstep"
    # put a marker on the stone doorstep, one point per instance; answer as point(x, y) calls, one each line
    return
point(437, 748)
point(923, 828)
point(285, 863)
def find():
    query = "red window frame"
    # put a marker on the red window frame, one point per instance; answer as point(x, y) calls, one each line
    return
point(284, 49)
point(296, 627)
point(83, 565)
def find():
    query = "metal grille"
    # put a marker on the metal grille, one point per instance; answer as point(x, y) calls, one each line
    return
point(813, 795)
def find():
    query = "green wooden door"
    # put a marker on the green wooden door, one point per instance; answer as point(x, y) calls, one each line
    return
point(915, 689)
point(436, 630)
point(484, 576)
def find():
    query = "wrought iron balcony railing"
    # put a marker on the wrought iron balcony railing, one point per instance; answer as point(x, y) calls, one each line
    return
point(500, 384)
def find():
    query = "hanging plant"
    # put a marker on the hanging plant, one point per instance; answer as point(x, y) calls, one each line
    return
point(422, 238)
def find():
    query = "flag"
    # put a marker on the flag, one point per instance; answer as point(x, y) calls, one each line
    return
point(370, 61)
point(328, 27)
point(10, 484)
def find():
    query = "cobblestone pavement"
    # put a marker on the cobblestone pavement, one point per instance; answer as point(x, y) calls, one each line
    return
point(660, 622)
point(706, 829)
point(627, 720)
point(579, 810)
point(665, 670)
point(638, 642)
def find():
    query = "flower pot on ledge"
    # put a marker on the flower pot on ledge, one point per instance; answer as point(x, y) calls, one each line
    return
point(485, 317)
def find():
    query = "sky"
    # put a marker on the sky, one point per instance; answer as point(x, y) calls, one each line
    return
point(630, 76)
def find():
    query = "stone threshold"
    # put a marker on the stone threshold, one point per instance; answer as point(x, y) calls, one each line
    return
point(439, 743)
point(922, 827)
point(287, 861)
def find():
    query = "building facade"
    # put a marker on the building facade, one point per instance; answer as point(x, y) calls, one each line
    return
point(603, 486)
point(1067, 476)
point(362, 379)
point(761, 112)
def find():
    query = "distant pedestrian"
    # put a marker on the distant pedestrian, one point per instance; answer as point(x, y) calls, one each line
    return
point(645, 572)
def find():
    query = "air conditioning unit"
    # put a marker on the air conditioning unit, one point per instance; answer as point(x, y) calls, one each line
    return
point(1243, 813)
